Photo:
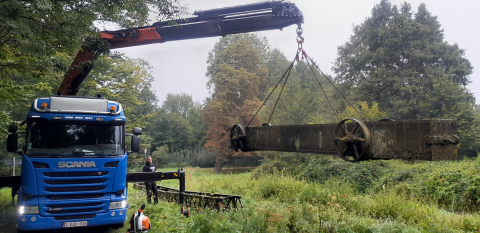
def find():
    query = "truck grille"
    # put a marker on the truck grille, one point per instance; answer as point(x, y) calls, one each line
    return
point(79, 196)
point(70, 217)
point(75, 194)
point(69, 211)
point(87, 181)
point(74, 174)
point(74, 183)
point(75, 189)
point(74, 205)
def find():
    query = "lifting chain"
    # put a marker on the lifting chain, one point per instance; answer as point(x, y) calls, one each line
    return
point(300, 41)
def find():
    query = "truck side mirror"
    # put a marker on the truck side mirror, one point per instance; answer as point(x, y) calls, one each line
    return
point(12, 128)
point(12, 142)
point(137, 131)
point(135, 143)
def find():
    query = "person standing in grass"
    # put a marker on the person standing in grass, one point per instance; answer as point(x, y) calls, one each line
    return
point(151, 186)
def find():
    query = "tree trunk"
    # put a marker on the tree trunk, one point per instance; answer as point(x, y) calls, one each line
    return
point(218, 165)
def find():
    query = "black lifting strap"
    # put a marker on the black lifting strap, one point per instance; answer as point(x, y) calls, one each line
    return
point(321, 86)
point(318, 68)
point(287, 73)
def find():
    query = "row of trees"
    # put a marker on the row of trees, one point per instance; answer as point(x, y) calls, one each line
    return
point(179, 126)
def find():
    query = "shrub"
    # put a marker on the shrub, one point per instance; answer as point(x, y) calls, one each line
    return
point(202, 158)
point(282, 188)
point(454, 190)
point(269, 168)
point(363, 175)
point(286, 163)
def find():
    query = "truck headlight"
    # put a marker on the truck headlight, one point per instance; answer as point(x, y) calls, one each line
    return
point(27, 210)
point(118, 204)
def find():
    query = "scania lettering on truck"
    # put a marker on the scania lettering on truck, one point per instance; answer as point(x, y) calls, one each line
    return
point(74, 163)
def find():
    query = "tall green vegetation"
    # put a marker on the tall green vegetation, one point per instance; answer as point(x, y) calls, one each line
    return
point(399, 59)
point(127, 81)
point(174, 133)
point(32, 32)
point(179, 125)
point(302, 101)
point(378, 196)
point(237, 77)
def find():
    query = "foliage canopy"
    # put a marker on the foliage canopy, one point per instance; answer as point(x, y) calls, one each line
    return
point(237, 76)
point(399, 59)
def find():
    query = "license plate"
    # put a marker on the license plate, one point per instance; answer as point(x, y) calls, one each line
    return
point(75, 224)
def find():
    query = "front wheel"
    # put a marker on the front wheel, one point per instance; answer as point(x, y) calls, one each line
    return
point(352, 140)
point(237, 137)
point(117, 226)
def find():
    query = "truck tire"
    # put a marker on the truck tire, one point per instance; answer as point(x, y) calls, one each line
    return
point(117, 226)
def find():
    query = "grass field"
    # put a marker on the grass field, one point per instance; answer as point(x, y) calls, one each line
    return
point(403, 197)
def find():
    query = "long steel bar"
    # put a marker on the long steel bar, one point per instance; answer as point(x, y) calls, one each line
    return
point(157, 176)
point(199, 199)
point(410, 140)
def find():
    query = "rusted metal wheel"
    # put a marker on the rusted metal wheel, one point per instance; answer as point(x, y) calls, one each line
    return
point(237, 137)
point(352, 139)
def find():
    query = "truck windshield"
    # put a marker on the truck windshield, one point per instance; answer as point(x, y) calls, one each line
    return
point(75, 140)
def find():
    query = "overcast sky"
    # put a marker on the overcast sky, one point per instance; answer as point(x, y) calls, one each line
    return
point(180, 66)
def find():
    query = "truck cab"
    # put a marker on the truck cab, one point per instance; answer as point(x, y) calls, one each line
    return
point(74, 163)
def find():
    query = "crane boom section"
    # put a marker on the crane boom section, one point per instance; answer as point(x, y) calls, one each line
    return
point(209, 23)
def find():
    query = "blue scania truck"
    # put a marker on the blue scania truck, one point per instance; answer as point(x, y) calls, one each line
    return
point(74, 163)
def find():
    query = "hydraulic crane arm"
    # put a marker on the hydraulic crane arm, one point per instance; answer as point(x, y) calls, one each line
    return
point(209, 23)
